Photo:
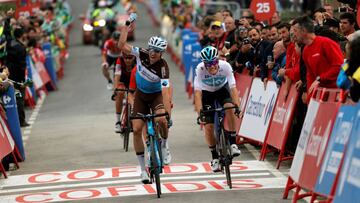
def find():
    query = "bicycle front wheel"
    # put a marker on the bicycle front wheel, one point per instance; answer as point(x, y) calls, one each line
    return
point(154, 144)
point(226, 156)
point(127, 129)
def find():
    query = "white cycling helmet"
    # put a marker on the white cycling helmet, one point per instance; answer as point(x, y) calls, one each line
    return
point(158, 43)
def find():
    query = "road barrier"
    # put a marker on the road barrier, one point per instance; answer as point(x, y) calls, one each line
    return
point(280, 124)
point(326, 163)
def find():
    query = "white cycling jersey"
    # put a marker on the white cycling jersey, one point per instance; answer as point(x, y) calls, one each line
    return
point(208, 82)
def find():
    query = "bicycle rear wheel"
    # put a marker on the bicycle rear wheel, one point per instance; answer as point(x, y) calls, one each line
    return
point(226, 156)
point(154, 144)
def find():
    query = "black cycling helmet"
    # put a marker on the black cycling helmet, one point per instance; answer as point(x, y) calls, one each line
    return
point(115, 35)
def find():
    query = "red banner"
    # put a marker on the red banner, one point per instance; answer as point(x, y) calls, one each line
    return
point(283, 114)
point(263, 9)
point(316, 146)
point(5, 145)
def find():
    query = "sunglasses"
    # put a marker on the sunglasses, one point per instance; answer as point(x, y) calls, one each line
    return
point(211, 63)
point(155, 51)
point(128, 57)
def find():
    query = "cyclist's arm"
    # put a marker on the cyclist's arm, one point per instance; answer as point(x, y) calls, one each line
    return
point(197, 88)
point(122, 44)
point(165, 87)
point(104, 52)
point(117, 73)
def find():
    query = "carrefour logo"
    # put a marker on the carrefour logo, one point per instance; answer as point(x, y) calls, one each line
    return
point(188, 48)
point(6, 99)
point(269, 108)
point(196, 54)
point(258, 108)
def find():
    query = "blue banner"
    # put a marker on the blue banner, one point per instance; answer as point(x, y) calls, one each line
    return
point(187, 55)
point(348, 187)
point(49, 62)
point(335, 149)
point(195, 58)
point(13, 119)
point(29, 75)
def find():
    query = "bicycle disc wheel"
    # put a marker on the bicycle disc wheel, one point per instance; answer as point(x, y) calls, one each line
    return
point(154, 162)
point(226, 157)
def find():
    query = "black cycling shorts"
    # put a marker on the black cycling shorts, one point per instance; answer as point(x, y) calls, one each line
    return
point(111, 60)
point(222, 96)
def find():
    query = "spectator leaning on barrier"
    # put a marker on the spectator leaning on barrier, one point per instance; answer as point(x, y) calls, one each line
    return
point(321, 55)
point(279, 52)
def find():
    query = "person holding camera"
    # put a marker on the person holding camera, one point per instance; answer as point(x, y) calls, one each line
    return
point(245, 57)
point(261, 53)
point(230, 47)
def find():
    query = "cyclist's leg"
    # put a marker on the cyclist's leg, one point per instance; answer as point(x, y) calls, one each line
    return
point(158, 107)
point(226, 101)
point(208, 99)
point(137, 124)
point(105, 70)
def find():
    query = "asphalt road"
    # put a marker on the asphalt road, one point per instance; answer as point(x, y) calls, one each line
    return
point(72, 152)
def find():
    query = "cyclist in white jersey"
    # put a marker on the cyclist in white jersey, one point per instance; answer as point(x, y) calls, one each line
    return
point(214, 81)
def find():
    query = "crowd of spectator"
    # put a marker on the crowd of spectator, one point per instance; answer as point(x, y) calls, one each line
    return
point(23, 36)
point(316, 50)
point(275, 50)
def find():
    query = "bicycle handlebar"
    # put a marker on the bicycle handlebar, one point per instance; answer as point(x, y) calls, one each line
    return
point(124, 90)
point(219, 109)
point(199, 119)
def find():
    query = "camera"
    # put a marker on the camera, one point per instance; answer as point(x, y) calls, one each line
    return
point(246, 41)
point(343, 9)
point(227, 44)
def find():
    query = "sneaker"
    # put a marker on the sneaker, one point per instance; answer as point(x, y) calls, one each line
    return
point(215, 166)
point(235, 151)
point(145, 177)
point(166, 156)
point(109, 86)
point(118, 128)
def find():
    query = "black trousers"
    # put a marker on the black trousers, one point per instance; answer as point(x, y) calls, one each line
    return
point(20, 102)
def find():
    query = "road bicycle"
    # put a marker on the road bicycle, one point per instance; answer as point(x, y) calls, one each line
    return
point(153, 145)
point(125, 117)
point(222, 142)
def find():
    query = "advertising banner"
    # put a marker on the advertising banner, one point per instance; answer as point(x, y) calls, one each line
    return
point(13, 119)
point(283, 114)
point(335, 149)
point(258, 110)
point(318, 139)
point(348, 187)
point(49, 62)
point(298, 160)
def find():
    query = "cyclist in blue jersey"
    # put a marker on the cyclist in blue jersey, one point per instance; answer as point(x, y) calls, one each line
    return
point(152, 81)
point(215, 82)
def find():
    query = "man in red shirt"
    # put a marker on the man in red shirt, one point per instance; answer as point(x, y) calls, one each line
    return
point(321, 55)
